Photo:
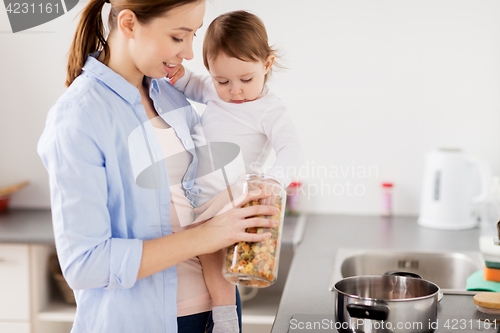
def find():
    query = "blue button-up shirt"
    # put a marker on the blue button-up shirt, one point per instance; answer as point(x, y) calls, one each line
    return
point(109, 192)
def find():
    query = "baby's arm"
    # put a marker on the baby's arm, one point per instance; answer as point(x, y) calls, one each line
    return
point(281, 132)
point(191, 85)
point(223, 293)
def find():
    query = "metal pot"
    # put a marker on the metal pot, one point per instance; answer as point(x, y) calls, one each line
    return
point(386, 303)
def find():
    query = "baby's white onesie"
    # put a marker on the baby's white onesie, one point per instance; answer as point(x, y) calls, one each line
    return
point(256, 127)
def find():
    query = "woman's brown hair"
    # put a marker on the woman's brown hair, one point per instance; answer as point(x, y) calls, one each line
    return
point(237, 34)
point(90, 34)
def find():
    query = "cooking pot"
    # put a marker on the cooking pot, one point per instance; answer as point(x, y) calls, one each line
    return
point(386, 303)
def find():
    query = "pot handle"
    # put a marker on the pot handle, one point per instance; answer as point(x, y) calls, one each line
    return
point(414, 275)
point(408, 274)
point(373, 312)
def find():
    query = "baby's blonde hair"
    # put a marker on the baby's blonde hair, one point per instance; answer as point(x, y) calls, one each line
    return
point(237, 34)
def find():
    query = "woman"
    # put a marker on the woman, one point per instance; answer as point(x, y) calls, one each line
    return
point(110, 196)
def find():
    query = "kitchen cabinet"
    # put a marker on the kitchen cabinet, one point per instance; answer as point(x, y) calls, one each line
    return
point(14, 283)
point(29, 301)
point(49, 313)
point(15, 327)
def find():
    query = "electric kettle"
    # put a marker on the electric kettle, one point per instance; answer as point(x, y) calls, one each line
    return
point(449, 195)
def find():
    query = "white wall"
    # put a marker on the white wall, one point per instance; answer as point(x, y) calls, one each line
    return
point(32, 76)
point(372, 85)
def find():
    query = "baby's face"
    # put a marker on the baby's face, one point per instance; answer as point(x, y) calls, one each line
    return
point(238, 81)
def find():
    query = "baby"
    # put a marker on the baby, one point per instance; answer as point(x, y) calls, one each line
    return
point(240, 107)
point(240, 110)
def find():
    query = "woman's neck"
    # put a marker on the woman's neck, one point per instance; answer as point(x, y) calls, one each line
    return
point(121, 63)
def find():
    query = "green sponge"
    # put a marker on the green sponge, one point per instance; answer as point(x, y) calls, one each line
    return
point(476, 282)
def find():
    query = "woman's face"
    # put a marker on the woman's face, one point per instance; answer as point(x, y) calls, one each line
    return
point(162, 43)
point(238, 81)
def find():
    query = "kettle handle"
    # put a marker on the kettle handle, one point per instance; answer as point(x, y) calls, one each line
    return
point(485, 177)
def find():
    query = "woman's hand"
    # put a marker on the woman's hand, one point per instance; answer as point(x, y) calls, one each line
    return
point(179, 72)
point(222, 201)
point(230, 226)
point(223, 230)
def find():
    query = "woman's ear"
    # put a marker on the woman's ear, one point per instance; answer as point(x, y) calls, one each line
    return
point(127, 22)
point(269, 63)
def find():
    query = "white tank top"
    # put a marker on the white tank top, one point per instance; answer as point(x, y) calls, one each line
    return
point(192, 293)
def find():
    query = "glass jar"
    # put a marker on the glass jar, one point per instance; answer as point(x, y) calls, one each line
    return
point(256, 264)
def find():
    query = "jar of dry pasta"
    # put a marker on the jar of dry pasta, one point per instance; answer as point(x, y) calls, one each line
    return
point(256, 264)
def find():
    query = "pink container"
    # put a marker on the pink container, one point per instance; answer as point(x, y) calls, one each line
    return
point(387, 199)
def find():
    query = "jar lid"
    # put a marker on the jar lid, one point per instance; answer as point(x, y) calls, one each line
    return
point(488, 300)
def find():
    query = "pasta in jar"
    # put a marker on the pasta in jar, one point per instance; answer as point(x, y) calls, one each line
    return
point(256, 263)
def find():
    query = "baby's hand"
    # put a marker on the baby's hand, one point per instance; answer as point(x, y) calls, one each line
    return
point(178, 73)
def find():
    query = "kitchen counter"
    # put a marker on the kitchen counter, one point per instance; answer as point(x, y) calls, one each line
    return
point(307, 296)
point(306, 289)
point(26, 226)
point(34, 226)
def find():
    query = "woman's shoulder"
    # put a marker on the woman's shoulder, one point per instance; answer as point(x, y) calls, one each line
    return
point(70, 103)
point(85, 96)
point(83, 110)
point(77, 94)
